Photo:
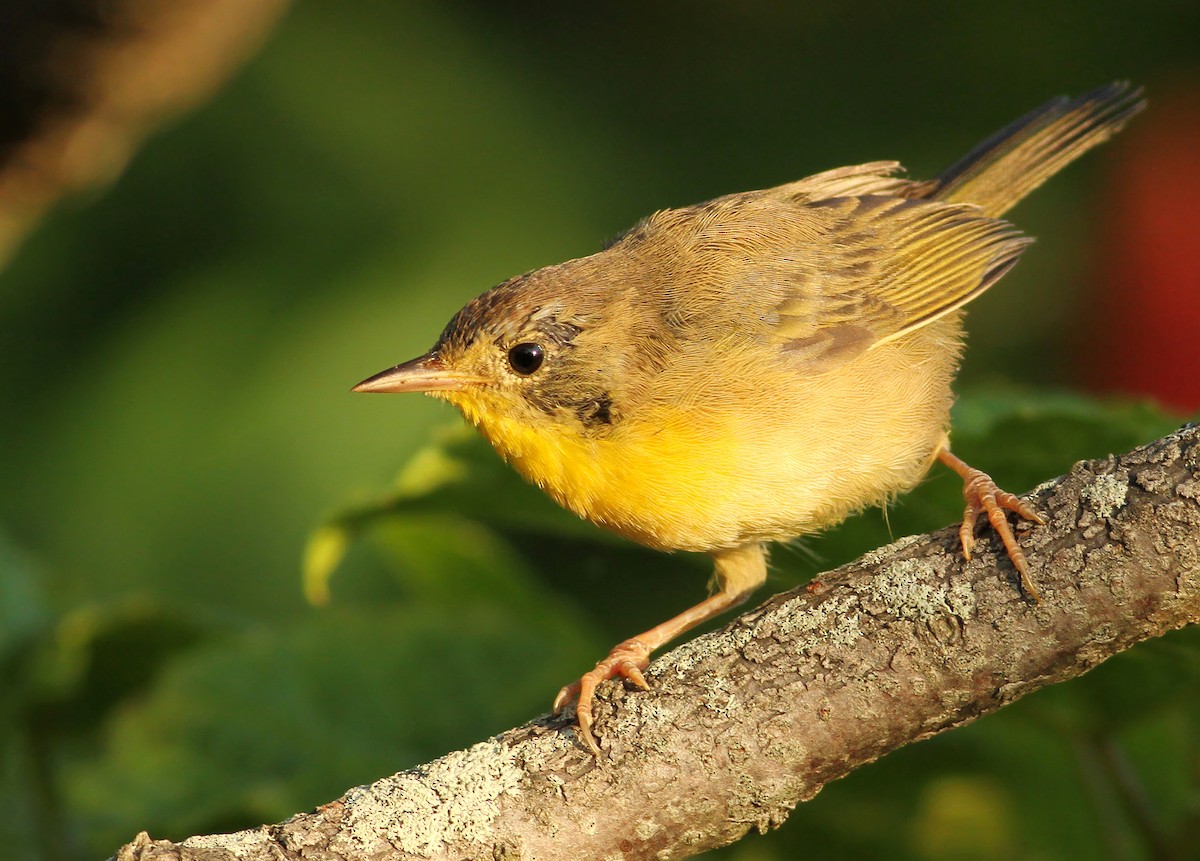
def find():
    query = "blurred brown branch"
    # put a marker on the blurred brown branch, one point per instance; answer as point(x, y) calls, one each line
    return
point(746, 722)
point(83, 82)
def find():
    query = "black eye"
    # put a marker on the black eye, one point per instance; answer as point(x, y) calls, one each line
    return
point(526, 358)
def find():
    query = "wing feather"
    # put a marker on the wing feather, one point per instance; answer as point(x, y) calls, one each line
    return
point(825, 278)
point(884, 267)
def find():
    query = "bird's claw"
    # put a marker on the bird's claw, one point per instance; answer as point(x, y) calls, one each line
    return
point(983, 496)
point(626, 660)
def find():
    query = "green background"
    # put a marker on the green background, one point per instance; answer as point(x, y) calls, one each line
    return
point(177, 425)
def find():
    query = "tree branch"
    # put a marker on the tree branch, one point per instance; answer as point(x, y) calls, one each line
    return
point(746, 722)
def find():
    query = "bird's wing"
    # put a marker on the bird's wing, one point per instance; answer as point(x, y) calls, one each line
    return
point(879, 268)
point(876, 177)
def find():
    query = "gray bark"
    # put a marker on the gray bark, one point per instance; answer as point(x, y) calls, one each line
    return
point(745, 723)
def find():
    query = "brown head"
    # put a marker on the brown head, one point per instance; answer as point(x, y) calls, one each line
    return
point(542, 348)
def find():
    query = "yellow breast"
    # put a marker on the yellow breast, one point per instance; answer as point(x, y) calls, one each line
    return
point(634, 481)
point(768, 459)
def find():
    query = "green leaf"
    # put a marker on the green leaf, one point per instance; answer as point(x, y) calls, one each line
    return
point(323, 553)
point(96, 658)
point(456, 481)
point(459, 472)
point(260, 725)
point(1027, 436)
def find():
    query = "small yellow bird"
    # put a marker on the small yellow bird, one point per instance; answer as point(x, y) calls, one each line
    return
point(756, 367)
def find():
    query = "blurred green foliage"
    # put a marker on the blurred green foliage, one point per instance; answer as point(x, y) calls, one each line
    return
point(177, 429)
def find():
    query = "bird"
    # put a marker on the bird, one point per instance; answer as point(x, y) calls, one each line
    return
point(756, 367)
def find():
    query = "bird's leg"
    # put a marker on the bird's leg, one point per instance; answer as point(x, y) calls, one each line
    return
point(984, 497)
point(738, 572)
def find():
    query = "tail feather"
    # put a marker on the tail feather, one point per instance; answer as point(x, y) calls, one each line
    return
point(1020, 157)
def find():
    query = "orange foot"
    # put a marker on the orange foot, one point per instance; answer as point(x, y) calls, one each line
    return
point(984, 497)
point(626, 660)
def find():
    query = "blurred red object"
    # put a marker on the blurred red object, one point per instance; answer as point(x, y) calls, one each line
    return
point(1145, 337)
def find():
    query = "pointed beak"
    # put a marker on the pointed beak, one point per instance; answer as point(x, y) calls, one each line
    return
point(424, 374)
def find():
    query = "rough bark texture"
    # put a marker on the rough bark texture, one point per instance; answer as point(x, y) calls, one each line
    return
point(746, 722)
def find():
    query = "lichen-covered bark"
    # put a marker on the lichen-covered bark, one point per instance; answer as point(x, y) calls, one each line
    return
point(744, 723)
